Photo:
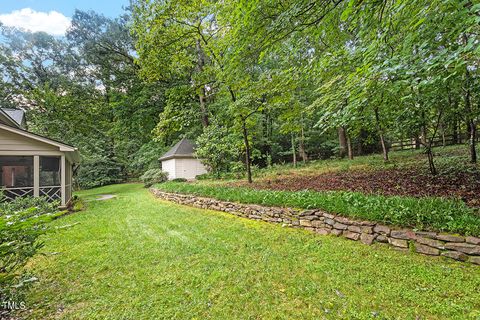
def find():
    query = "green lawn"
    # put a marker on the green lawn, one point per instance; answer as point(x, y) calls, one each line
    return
point(136, 257)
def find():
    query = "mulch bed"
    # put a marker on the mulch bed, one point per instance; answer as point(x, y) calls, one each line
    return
point(404, 182)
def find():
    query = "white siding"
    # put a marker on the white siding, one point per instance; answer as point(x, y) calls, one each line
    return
point(187, 168)
point(169, 167)
point(14, 142)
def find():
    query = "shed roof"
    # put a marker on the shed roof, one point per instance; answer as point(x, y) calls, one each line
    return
point(184, 148)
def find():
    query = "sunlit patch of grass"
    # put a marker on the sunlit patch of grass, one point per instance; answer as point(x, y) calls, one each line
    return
point(136, 257)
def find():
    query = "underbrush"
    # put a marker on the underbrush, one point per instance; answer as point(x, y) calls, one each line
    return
point(22, 222)
point(427, 213)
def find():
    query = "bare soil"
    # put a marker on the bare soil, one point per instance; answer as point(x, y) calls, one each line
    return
point(404, 182)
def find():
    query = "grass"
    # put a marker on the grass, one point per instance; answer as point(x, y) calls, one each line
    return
point(136, 257)
point(424, 213)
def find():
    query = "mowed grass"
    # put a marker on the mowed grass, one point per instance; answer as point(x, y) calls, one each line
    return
point(136, 257)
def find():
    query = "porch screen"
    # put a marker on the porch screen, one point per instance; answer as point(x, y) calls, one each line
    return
point(49, 171)
point(16, 171)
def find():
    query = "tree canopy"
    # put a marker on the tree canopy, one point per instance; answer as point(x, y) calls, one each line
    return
point(253, 82)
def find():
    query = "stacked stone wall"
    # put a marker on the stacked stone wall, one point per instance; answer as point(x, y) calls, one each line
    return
point(456, 247)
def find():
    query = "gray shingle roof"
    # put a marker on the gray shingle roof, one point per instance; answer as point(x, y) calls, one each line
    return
point(17, 115)
point(184, 148)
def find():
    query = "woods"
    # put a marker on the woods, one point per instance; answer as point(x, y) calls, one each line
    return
point(255, 83)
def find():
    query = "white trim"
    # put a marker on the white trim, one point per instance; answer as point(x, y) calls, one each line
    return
point(30, 153)
point(63, 181)
point(62, 146)
point(74, 156)
point(36, 176)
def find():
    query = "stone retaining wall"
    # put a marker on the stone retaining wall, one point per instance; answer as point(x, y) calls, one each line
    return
point(430, 243)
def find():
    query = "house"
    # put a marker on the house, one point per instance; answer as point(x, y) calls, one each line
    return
point(181, 162)
point(31, 164)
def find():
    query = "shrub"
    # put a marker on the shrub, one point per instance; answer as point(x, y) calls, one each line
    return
point(22, 222)
point(146, 158)
point(153, 176)
point(179, 180)
point(218, 148)
point(99, 171)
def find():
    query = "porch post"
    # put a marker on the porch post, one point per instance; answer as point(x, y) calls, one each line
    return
point(36, 176)
point(63, 180)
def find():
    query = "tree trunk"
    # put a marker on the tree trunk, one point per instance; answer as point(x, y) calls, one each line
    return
point(247, 151)
point(472, 141)
point(294, 153)
point(342, 139)
point(382, 136)
point(455, 133)
point(301, 147)
point(349, 147)
point(203, 108)
point(431, 163)
point(201, 95)
point(444, 139)
point(471, 126)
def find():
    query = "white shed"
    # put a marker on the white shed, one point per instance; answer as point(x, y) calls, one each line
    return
point(181, 162)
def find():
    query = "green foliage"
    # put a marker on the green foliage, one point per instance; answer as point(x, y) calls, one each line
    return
point(146, 157)
point(179, 180)
point(424, 213)
point(99, 171)
point(218, 148)
point(152, 176)
point(22, 222)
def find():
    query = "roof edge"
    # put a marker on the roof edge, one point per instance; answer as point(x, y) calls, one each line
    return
point(61, 145)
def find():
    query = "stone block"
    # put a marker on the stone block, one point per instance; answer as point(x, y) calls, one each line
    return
point(318, 224)
point(475, 260)
point(473, 240)
point(351, 235)
point(400, 243)
point(312, 217)
point(450, 237)
point(455, 255)
point(381, 229)
point(467, 248)
point(431, 242)
point(367, 238)
point(307, 213)
point(305, 223)
point(343, 220)
point(382, 238)
point(356, 229)
point(403, 234)
point(336, 232)
point(328, 215)
point(421, 248)
point(322, 231)
point(340, 226)
point(366, 229)
point(366, 223)
point(330, 221)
